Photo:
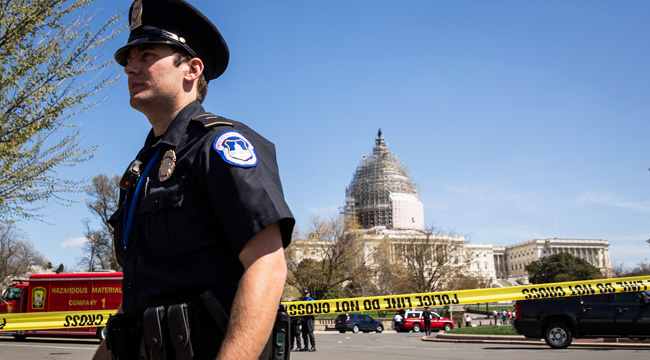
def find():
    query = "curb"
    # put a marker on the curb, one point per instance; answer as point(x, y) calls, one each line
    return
point(518, 339)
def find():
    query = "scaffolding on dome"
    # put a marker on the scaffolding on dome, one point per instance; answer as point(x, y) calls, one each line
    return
point(383, 193)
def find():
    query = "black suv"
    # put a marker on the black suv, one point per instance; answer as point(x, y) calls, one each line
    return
point(357, 322)
point(560, 320)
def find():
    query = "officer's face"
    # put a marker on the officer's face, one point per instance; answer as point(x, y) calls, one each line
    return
point(153, 79)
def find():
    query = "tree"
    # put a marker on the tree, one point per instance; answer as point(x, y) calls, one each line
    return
point(391, 273)
point(105, 194)
point(46, 48)
point(641, 268)
point(308, 274)
point(431, 262)
point(468, 281)
point(17, 255)
point(99, 252)
point(365, 263)
point(561, 267)
point(341, 258)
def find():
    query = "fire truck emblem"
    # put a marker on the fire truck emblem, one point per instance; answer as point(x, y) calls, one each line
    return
point(38, 298)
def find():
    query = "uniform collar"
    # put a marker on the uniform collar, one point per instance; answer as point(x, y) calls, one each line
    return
point(176, 129)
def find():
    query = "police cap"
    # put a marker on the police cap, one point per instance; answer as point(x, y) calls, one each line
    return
point(176, 23)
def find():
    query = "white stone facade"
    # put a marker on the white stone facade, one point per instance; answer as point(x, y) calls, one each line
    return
point(511, 261)
point(482, 262)
point(486, 260)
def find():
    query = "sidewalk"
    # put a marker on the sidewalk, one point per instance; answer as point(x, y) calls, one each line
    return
point(518, 339)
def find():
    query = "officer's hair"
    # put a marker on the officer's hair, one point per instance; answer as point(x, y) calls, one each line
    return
point(181, 56)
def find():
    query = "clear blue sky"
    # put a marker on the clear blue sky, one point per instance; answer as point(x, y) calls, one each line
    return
point(519, 120)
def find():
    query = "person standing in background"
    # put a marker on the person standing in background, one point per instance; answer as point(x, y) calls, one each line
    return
point(426, 315)
point(295, 333)
point(308, 328)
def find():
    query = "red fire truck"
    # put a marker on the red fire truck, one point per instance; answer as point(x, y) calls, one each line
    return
point(63, 292)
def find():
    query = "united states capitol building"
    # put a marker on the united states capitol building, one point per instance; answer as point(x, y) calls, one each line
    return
point(385, 201)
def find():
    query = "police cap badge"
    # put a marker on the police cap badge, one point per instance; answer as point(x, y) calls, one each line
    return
point(176, 23)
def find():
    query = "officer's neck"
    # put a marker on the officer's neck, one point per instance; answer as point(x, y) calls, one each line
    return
point(160, 118)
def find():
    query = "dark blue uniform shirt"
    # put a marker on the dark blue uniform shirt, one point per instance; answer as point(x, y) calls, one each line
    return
point(189, 229)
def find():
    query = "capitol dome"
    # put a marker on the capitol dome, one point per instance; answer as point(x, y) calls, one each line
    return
point(383, 193)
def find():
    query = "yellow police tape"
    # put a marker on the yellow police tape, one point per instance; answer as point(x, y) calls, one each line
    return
point(76, 319)
point(54, 320)
point(445, 298)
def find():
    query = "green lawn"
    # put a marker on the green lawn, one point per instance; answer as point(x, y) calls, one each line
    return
point(484, 330)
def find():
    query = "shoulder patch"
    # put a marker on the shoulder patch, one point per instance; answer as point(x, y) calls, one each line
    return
point(209, 120)
point(235, 149)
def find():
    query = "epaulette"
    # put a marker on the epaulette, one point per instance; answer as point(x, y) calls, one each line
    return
point(210, 120)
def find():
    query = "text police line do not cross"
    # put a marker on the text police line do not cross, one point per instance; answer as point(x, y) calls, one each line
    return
point(446, 298)
point(71, 319)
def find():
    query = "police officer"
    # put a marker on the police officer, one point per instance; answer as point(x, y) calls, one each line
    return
point(202, 207)
point(426, 315)
point(308, 327)
point(295, 332)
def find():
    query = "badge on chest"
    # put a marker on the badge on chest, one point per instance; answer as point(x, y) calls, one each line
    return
point(167, 165)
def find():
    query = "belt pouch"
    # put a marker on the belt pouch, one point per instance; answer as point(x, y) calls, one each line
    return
point(154, 330)
point(277, 347)
point(281, 331)
point(122, 338)
point(178, 320)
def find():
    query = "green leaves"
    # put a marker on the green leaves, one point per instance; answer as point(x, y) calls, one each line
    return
point(561, 267)
point(50, 74)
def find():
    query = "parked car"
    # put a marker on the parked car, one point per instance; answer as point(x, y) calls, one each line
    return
point(357, 322)
point(559, 320)
point(413, 320)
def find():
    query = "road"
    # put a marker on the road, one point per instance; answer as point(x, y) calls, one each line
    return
point(390, 345)
point(47, 349)
point(330, 345)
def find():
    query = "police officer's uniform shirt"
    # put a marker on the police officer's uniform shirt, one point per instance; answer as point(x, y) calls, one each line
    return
point(189, 229)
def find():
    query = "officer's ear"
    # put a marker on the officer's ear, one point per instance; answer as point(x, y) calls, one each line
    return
point(195, 69)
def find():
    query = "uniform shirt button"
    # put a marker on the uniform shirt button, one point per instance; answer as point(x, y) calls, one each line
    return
point(129, 285)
